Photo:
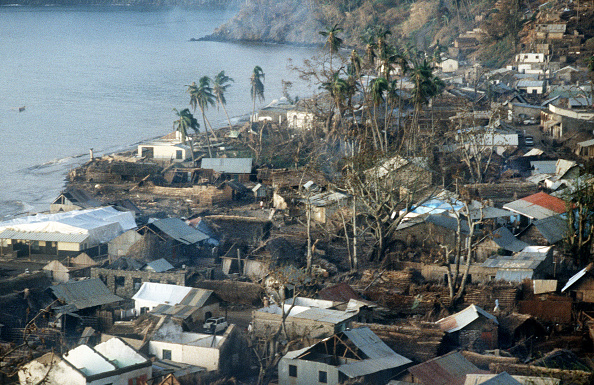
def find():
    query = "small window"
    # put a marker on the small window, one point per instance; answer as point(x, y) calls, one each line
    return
point(179, 154)
point(322, 377)
point(166, 354)
point(292, 371)
point(120, 281)
point(136, 282)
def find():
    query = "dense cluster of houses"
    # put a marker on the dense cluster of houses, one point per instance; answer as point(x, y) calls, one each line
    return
point(158, 268)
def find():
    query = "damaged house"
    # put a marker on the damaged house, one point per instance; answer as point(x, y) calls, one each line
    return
point(125, 276)
point(534, 207)
point(238, 169)
point(64, 234)
point(306, 321)
point(533, 262)
point(194, 304)
point(80, 302)
point(472, 328)
point(79, 267)
point(450, 369)
point(356, 354)
point(226, 353)
point(73, 199)
point(169, 238)
point(111, 362)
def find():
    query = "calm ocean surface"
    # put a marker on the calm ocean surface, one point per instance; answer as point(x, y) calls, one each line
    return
point(107, 78)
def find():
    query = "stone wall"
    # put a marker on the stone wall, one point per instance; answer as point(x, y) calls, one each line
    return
point(126, 283)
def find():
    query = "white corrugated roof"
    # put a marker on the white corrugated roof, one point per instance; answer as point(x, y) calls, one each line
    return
point(161, 293)
point(228, 165)
point(463, 318)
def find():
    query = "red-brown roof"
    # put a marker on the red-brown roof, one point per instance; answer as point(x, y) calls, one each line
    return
point(341, 292)
point(547, 201)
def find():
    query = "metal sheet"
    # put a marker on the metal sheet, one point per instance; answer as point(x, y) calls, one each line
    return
point(84, 294)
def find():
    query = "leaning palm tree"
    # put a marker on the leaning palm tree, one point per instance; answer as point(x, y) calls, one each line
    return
point(219, 87)
point(332, 40)
point(185, 122)
point(201, 96)
point(257, 87)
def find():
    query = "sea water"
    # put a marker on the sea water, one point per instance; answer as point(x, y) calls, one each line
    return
point(108, 78)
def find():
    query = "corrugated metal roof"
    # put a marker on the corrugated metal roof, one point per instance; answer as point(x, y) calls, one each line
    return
point(196, 297)
point(506, 240)
point(376, 355)
point(534, 152)
point(586, 143)
point(530, 83)
point(84, 294)
point(365, 367)
point(577, 277)
point(43, 236)
point(324, 315)
point(228, 165)
point(161, 293)
point(448, 222)
point(177, 311)
point(370, 344)
point(537, 206)
point(463, 318)
point(449, 369)
point(543, 166)
point(341, 292)
point(491, 379)
point(326, 199)
point(180, 231)
point(159, 265)
point(524, 260)
point(514, 275)
point(553, 228)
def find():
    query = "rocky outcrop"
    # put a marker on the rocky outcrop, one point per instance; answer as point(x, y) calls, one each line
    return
point(272, 21)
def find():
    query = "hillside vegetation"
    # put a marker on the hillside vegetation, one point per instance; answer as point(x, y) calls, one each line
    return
point(423, 23)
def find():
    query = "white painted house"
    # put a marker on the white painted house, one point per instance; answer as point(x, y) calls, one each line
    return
point(449, 65)
point(300, 120)
point(110, 363)
point(530, 57)
point(169, 299)
point(165, 150)
point(226, 353)
point(356, 354)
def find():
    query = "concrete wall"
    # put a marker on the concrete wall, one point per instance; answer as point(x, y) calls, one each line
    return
point(194, 355)
point(307, 372)
point(298, 120)
point(167, 152)
point(108, 276)
point(119, 246)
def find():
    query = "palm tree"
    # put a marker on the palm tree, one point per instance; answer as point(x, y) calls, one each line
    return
point(257, 91)
point(378, 87)
point(332, 40)
point(426, 86)
point(257, 87)
point(219, 87)
point(185, 122)
point(201, 96)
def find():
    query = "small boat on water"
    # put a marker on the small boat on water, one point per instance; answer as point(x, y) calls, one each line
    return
point(21, 109)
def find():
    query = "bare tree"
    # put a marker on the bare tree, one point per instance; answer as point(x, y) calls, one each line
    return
point(270, 347)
